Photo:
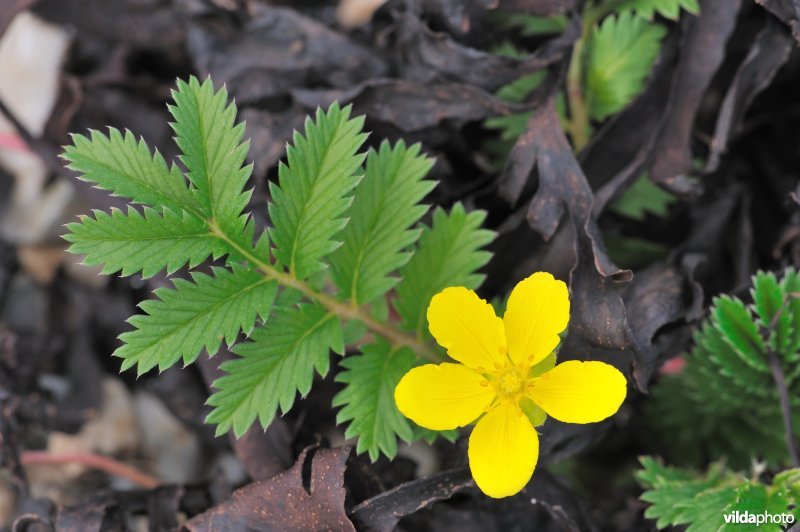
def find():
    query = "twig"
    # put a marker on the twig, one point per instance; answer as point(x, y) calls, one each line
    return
point(780, 385)
point(94, 461)
point(44, 150)
point(786, 407)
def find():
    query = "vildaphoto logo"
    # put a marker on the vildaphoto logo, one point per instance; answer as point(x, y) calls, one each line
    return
point(746, 517)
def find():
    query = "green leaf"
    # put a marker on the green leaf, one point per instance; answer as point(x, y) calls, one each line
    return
point(754, 498)
point(128, 168)
point(632, 252)
point(669, 489)
point(641, 198)
point(791, 290)
point(379, 234)
point(196, 315)
point(773, 311)
point(736, 323)
point(449, 253)
point(213, 151)
point(132, 242)
point(702, 500)
point(313, 190)
point(532, 25)
point(278, 363)
point(368, 398)
point(430, 436)
point(705, 511)
point(620, 55)
point(670, 9)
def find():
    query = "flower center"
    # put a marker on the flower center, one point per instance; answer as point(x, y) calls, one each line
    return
point(510, 382)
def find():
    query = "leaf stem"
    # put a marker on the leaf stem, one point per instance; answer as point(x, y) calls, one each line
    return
point(786, 407)
point(344, 310)
point(783, 392)
point(578, 124)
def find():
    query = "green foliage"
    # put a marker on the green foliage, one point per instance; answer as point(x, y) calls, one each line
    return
point(196, 315)
point(213, 151)
point(118, 241)
point(641, 198)
point(449, 254)
point(378, 237)
point(127, 168)
point(368, 398)
point(670, 9)
point(313, 190)
point(532, 25)
point(701, 500)
point(310, 285)
point(725, 401)
point(279, 361)
point(619, 56)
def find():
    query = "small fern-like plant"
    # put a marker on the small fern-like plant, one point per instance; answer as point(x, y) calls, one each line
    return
point(345, 245)
point(738, 396)
point(703, 501)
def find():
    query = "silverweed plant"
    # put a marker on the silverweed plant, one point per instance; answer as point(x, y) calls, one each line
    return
point(345, 263)
point(345, 245)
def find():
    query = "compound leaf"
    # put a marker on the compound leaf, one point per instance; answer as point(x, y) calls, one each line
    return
point(386, 206)
point(620, 54)
point(196, 315)
point(313, 189)
point(736, 323)
point(449, 253)
point(772, 308)
point(368, 398)
point(274, 366)
point(670, 9)
point(127, 168)
point(147, 243)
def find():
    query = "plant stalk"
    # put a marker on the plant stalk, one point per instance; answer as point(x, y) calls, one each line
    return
point(783, 392)
point(396, 337)
point(786, 407)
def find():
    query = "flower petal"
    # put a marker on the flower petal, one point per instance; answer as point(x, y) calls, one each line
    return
point(442, 397)
point(580, 392)
point(468, 328)
point(503, 450)
point(537, 311)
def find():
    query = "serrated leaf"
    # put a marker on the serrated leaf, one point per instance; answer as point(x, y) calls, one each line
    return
point(711, 345)
point(313, 190)
point(668, 489)
point(641, 198)
point(702, 500)
point(213, 151)
point(670, 9)
point(127, 168)
point(705, 511)
point(620, 55)
point(772, 311)
point(275, 365)
point(147, 243)
point(379, 234)
point(754, 498)
point(736, 323)
point(196, 315)
point(368, 398)
point(449, 253)
point(791, 289)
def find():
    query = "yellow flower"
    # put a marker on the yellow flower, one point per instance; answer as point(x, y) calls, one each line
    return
point(506, 378)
